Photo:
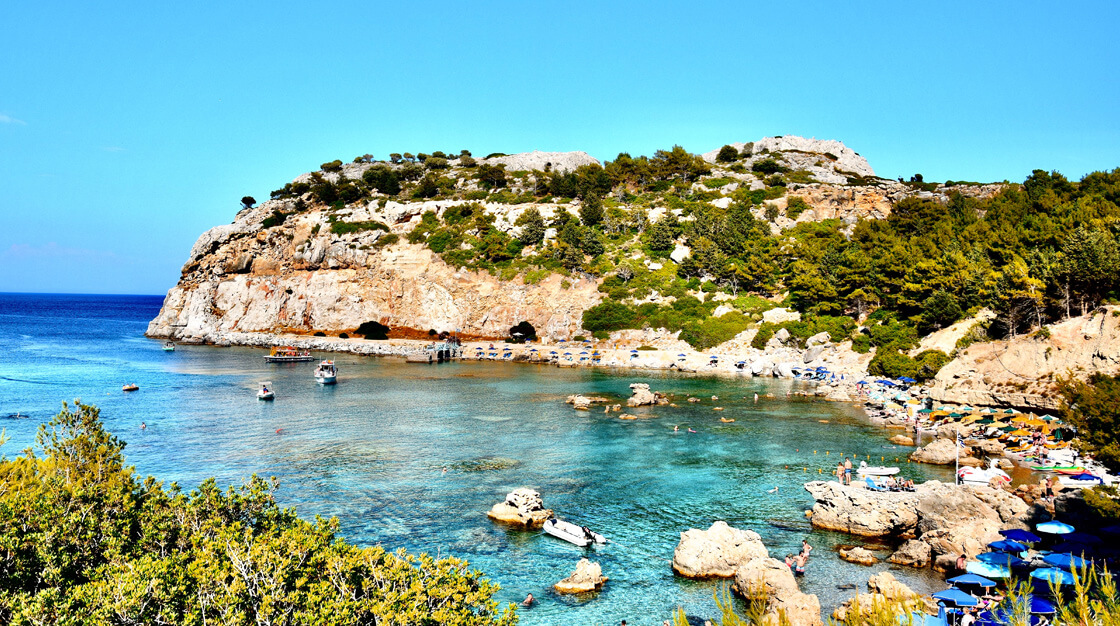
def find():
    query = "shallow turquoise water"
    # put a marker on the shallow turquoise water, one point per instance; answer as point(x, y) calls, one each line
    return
point(371, 451)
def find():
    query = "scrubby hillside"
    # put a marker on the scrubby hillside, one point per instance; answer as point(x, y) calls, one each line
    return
point(699, 246)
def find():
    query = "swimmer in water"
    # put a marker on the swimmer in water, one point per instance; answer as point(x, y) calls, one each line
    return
point(143, 426)
point(691, 431)
point(676, 429)
point(774, 490)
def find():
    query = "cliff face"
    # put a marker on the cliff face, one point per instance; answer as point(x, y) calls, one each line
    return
point(1021, 371)
point(299, 277)
point(295, 265)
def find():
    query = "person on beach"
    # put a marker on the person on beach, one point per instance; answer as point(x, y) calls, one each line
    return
point(968, 618)
point(961, 563)
point(847, 471)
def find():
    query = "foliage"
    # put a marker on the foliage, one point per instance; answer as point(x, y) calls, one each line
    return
point(248, 202)
point(714, 330)
point(591, 210)
point(331, 166)
point(373, 330)
point(1104, 501)
point(727, 154)
point(343, 228)
point(277, 218)
point(768, 166)
point(88, 542)
point(383, 178)
point(492, 176)
point(1093, 408)
point(795, 206)
point(532, 227)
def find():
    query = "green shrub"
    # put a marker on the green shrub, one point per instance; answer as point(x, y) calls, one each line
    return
point(93, 542)
point(276, 219)
point(765, 332)
point(795, 206)
point(331, 166)
point(387, 240)
point(891, 363)
point(861, 344)
point(373, 330)
point(646, 348)
point(716, 183)
point(608, 316)
point(727, 154)
point(929, 363)
point(343, 228)
point(714, 330)
point(768, 166)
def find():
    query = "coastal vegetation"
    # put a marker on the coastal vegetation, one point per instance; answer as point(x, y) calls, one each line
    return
point(84, 540)
point(1093, 407)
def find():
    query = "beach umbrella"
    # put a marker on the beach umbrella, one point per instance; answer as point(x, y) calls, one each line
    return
point(1054, 528)
point(1042, 606)
point(971, 579)
point(1053, 575)
point(480, 349)
point(907, 379)
point(533, 350)
point(584, 352)
point(1065, 561)
point(1007, 546)
point(1018, 534)
point(988, 570)
point(1021, 419)
point(1112, 530)
point(1085, 538)
point(1002, 559)
point(925, 411)
point(1011, 411)
point(1019, 432)
point(633, 350)
point(567, 354)
point(956, 597)
point(1071, 547)
point(553, 352)
point(1048, 418)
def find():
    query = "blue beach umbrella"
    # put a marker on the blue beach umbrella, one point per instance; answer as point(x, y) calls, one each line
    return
point(956, 597)
point(1072, 547)
point(1112, 530)
point(988, 570)
point(1002, 559)
point(633, 350)
point(1084, 538)
point(1053, 575)
point(1042, 606)
point(1054, 528)
point(907, 379)
point(553, 352)
point(1007, 546)
point(971, 579)
point(1065, 561)
point(1018, 534)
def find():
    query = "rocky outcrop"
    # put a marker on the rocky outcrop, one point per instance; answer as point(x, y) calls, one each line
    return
point(913, 553)
point(1018, 372)
point(588, 577)
point(522, 508)
point(642, 396)
point(543, 161)
point(949, 519)
point(717, 552)
point(857, 555)
point(882, 589)
point(770, 580)
point(902, 440)
point(939, 452)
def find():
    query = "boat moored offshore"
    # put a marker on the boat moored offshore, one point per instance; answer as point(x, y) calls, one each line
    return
point(326, 373)
point(287, 354)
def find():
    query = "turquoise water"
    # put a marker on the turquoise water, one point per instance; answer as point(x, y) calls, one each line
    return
point(371, 451)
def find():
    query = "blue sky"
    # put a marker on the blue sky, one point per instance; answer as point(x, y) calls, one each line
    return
point(127, 129)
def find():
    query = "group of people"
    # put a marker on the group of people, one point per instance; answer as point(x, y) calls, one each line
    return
point(797, 563)
point(898, 484)
point(844, 471)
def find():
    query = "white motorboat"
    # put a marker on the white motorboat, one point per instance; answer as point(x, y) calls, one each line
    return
point(169, 346)
point(579, 535)
point(982, 475)
point(326, 373)
point(265, 391)
point(875, 470)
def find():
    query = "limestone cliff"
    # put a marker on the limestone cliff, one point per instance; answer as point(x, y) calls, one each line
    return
point(296, 264)
point(1021, 371)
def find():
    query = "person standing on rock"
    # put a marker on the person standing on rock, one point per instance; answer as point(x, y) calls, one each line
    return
point(840, 472)
point(847, 471)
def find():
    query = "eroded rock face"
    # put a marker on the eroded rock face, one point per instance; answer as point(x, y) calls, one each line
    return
point(943, 520)
point(1017, 372)
point(588, 577)
point(769, 579)
point(881, 588)
point(939, 452)
point(522, 508)
point(716, 552)
point(902, 440)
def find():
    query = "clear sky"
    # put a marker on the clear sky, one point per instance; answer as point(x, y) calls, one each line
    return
point(129, 128)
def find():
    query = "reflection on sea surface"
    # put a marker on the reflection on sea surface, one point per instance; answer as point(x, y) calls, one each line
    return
point(372, 451)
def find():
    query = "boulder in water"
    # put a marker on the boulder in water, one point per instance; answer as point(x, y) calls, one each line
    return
point(859, 556)
point(587, 577)
point(716, 552)
point(523, 508)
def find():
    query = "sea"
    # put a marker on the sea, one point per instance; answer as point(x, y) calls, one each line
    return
point(412, 456)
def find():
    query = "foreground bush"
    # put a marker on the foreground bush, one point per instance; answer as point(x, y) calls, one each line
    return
point(84, 541)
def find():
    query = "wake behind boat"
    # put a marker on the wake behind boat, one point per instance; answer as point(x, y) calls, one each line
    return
point(579, 535)
point(326, 373)
point(287, 354)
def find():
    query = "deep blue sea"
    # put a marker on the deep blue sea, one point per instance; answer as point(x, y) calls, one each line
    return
point(372, 449)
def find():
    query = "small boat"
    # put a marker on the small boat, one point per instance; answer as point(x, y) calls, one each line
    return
point(130, 387)
point(326, 373)
point(875, 470)
point(287, 354)
point(982, 475)
point(169, 346)
point(571, 533)
point(265, 392)
point(1057, 468)
point(1080, 481)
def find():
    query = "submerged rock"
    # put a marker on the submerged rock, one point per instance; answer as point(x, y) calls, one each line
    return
point(859, 556)
point(587, 577)
point(716, 552)
point(523, 508)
